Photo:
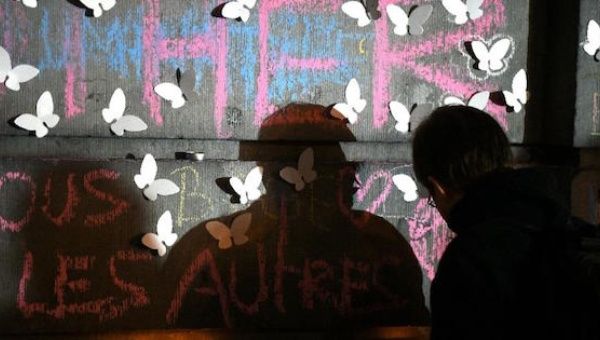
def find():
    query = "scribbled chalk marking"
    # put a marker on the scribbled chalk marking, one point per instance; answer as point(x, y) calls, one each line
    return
point(267, 66)
point(189, 188)
point(262, 293)
point(245, 63)
point(52, 56)
point(318, 56)
point(71, 202)
point(595, 114)
point(106, 307)
point(361, 220)
point(140, 40)
point(14, 226)
point(122, 37)
point(27, 308)
point(75, 87)
point(390, 53)
point(15, 24)
point(212, 44)
point(380, 199)
point(68, 55)
point(118, 205)
point(204, 262)
point(138, 295)
point(15, 37)
point(429, 236)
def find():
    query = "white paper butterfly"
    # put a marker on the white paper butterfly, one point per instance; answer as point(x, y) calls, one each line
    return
point(406, 23)
point(13, 77)
point(99, 6)
point(177, 93)
point(401, 116)
point(153, 187)
point(238, 9)
point(304, 174)
point(491, 59)
point(408, 120)
point(172, 93)
point(407, 185)
point(43, 120)
point(479, 100)
point(249, 189)
point(464, 11)
point(226, 236)
point(119, 122)
point(29, 3)
point(518, 97)
point(164, 237)
point(356, 10)
point(353, 105)
point(592, 43)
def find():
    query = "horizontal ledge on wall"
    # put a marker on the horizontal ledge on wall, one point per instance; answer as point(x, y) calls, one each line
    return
point(91, 148)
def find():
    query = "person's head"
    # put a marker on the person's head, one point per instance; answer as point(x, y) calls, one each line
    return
point(453, 148)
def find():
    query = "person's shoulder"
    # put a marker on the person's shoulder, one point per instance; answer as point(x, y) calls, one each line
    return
point(382, 237)
point(371, 225)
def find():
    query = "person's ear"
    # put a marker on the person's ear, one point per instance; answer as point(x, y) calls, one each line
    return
point(438, 188)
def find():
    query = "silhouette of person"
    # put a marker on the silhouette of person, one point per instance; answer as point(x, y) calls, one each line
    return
point(310, 262)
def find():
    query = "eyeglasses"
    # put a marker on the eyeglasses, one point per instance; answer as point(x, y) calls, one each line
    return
point(431, 202)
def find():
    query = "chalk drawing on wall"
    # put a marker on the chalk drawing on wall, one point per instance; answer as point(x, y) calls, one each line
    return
point(253, 66)
point(429, 236)
point(595, 114)
point(485, 58)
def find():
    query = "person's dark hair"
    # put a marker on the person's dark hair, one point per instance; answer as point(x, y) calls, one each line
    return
point(457, 145)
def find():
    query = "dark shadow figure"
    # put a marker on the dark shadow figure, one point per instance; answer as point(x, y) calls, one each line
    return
point(311, 262)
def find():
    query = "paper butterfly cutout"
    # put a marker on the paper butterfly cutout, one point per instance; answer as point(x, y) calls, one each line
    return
point(304, 174)
point(238, 9)
point(226, 236)
point(249, 189)
point(176, 93)
point(409, 23)
point(356, 10)
point(491, 59)
point(153, 187)
point(592, 43)
point(464, 11)
point(407, 120)
point(518, 97)
point(401, 115)
point(43, 120)
point(479, 100)
point(353, 105)
point(99, 6)
point(164, 237)
point(13, 77)
point(29, 3)
point(119, 122)
point(407, 185)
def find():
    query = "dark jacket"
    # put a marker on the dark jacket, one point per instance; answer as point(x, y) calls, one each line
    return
point(510, 273)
